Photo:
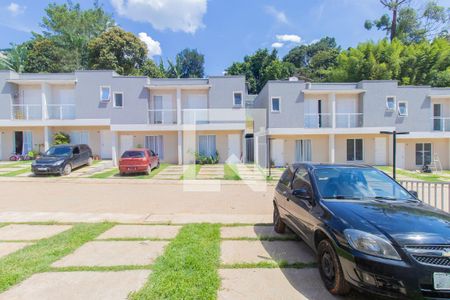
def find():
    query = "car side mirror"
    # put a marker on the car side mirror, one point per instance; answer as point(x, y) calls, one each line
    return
point(414, 194)
point(302, 194)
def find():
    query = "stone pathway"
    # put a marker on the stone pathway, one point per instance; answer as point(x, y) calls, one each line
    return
point(211, 172)
point(8, 248)
point(8, 166)
point(19, 232)
point(250, 172)
point(141, 231)
point(171, 172)
point(86, 171)
point(261, 231)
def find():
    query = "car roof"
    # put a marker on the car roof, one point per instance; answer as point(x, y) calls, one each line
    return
point(329, 165)
point(137, 149)
point(69, 145)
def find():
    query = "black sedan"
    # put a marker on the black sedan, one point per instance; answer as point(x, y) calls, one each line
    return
point(367, 230)
point(62, 159)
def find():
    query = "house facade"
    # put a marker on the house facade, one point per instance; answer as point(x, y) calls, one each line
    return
point(177, 118)
point(342, 123)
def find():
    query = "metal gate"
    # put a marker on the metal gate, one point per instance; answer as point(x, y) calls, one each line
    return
point(250, 150)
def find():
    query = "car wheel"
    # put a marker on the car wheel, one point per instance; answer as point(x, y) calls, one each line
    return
point(67, 170)
point(90, 161)
point(278, 224)
point(330, 269)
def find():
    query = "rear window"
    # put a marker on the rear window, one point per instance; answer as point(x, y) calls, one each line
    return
point(133, 154)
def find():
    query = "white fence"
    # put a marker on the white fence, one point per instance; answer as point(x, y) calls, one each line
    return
point(436, 194)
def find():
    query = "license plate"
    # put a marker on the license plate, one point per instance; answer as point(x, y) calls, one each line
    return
point(131, 169)
point(42, 169)
point(441, 281)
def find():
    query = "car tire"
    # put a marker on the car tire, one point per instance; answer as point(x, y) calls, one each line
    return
point(66, 170)
point(278, 224)
point(90, 161)
point(330, 269)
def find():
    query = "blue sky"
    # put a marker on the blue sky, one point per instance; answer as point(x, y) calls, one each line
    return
point(223, 30)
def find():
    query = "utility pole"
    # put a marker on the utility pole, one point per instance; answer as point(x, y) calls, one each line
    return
point(394, 148)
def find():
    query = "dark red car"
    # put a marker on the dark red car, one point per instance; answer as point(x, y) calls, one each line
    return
point(138, 160)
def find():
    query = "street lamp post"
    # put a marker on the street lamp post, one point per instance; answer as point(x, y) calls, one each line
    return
point(394, 148)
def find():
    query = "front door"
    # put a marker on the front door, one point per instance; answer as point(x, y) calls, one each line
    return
point(126, 143)
point(380, 151)
point(400, 155)
point(234, 148)
point(106, 144)
point(277, 152)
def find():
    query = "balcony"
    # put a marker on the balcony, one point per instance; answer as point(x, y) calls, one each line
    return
point(26, 112)
point(195, 116)
point(318, 120)
point(162, 116)
point(61, 111)
point(441, 123)
point(349, 120)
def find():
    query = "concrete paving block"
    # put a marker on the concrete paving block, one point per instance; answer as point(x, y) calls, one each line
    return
point(272, 284)
point(141, 231)
point(235, 252)
point(8, 248)
point(252, 232)
point(78, 285)
point(30, 232)
point(113, 253)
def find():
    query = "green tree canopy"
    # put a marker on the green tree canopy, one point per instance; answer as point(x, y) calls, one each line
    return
point(45, 56)
point(150, 69)
point(189, 63)
point(260, 67)
point(14, 59)
point(117, 49)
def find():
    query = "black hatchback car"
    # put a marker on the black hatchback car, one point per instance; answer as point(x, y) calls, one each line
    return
point(62, 159)
point(367, 230)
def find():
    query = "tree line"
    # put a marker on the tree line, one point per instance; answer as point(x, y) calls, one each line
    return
point(416, 50)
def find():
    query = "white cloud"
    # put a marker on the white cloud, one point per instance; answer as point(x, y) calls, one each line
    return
point(277, 45)
point(279, 15)
point(153, 47)
point(176, 15)
point(293, 38)
point(15, 9)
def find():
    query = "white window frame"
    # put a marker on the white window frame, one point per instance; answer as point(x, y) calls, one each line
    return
point(406, 107)
point(102, 87)
point(114, 100)
point(354, 149)
point(242, 99)
point(395, 103)
point(271, 105)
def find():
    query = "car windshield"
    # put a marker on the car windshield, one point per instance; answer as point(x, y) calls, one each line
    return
point(59, 151)
point(358, 183)
point(133, 154)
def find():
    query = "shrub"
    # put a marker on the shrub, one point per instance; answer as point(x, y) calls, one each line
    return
point(60, 138)
point(206, 160)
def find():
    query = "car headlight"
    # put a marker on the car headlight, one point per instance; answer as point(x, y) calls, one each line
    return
point(371, 244)
point(58, 163)
point(33, 163)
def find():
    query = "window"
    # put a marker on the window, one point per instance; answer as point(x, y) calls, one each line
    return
point(105, 93)
point(301, 180)
point(155, 144)
point(275, 105)
point(237, 99)
point(390, 103)
point(79, 137)
point(423, 154)
point(302, 150)
point(285, 179)
point(402, 108)
point(354, 149)
point(207, 145)
point(118, 100)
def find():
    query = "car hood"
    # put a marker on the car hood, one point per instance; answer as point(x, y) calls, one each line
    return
point(49, 159)
point(404, 223)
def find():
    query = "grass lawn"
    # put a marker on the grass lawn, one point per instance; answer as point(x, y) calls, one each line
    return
point(154, 172)
point(17, 172)
point(188, 267)
point(230, 172)
point(105, 174)
point(191, 172)
point(15, 164)
point(38, 257)
point(429, 177)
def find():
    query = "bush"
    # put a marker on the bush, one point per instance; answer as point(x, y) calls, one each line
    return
point(206, 160)
point(60, 138)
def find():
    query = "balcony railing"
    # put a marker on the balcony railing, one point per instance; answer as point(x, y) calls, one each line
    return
point(26, 111)
point(322, 120)
point(349, 120)
point(61, 111)
point(441, 123)
point(162, 116)
point(195, 116)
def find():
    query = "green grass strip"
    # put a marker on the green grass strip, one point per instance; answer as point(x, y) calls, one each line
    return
point(17, 164)
point(16, 172)
point(269, 265)
point(429, 177)
point(38, 257)
point(191, 172)
point(105, 174)
point(188, 267)
point(154, 172)
point(230, 172)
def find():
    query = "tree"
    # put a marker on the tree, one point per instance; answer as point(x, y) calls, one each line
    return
point(117, 50)
point(45, 56)
point(190, 63)
point(412, 25)
point(15, 58)
point(260, 67)
point(150, 69)
point(72, 28)
point(313, 60)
